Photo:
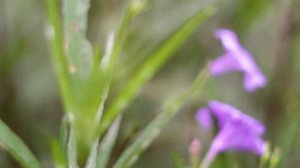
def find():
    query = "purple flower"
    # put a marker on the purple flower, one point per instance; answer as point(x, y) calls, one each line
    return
point(237, 131)
point(237, 58)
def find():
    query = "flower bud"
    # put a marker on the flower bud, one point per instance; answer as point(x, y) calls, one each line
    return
point(194, 151)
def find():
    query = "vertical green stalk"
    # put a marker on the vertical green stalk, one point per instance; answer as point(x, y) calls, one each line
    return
point(107, 144)
point(59, 59)
point(80, 66)
point(79, 55)
point(117, 38)
point(68, 47)
point(115, 44)
point(113, 49)
point(130, 11)
point(78, 50)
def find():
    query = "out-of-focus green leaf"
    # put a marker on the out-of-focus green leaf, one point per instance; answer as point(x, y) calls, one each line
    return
point(55, 37)
point(95, 94)
point(72, 151)
point(58, 154)
point(9, 58)
point(78, 49)
point(16, 147)
point(107, 144)
point(178, 160)
point(291, 124)
point(248, 12)
point(131, 154)
point(222, 161)
point(155, 61)
point(64, 133)
point(291, 127)
point(91, 161)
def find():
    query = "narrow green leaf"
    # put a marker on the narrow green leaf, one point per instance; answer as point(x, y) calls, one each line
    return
point(14, 145)
point(291, 127)
point(101, 79)
point(77, 47)
point(133, 8)
point(107, 144)
point(54, 35)
point(58, 154)
point(91, 161)
point(96, 57)
point(64, 133)
point(72, 151)
point(155, 61)
point(130, 155)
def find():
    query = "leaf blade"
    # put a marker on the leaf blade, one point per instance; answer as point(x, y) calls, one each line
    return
point(16, 147)
point(58, 154)
point(153, 129)
point(152, 65)
point(107, 144)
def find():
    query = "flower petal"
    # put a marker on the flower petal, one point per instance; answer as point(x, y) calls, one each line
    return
point(228, 39)
point(203, 117)
point(254, 80)
point(225, 113)
point(237, 58)
point(223, 64)
point(238, 136)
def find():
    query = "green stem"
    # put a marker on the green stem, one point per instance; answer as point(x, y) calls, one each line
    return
point(209, 157)
point(59, 59)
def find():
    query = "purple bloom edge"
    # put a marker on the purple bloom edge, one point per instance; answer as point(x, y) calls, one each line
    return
point(237, 131)
point(237, 58)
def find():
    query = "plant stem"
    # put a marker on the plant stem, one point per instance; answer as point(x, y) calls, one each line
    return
point(209, 157)
point(55, 36)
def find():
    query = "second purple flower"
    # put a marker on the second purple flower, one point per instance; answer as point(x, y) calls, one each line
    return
point(237, 58)
point(237, 131)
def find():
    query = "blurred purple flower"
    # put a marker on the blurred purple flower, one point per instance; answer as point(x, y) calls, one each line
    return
point(237, 58)
point(237, 131)
point(203, 117)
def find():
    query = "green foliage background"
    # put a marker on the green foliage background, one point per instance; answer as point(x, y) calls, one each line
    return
point(29, 95)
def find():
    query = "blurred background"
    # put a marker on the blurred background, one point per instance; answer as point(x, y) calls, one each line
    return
point(269, 29)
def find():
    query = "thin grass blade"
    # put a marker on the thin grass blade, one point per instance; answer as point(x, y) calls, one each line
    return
point(58, 154)
point(55, 37)
point(131, 154)
point(78, 49)
point(156, 60)
point(63, 135)
point(72, 151)
point(107, 144)
point(16, 147)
